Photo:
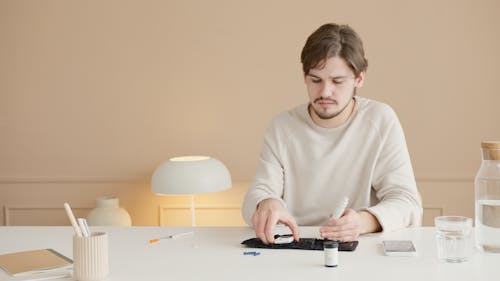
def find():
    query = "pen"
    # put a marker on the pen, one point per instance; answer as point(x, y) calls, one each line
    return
point(72, 219)
point(84, 227)
point(172, 236)
point(340, 208)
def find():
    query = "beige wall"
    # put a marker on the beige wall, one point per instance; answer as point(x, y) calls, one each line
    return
point(95, 94)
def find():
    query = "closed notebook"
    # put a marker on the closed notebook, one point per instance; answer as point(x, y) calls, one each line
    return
point(31, 261)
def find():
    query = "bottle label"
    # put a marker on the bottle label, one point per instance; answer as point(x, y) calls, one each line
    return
point(331, 257)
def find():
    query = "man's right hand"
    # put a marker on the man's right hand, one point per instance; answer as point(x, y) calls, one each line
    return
point(269, 213)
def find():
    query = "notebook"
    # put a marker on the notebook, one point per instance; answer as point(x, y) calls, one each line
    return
point(33, 261)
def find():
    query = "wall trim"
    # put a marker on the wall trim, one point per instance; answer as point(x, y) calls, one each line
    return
point(440, 208)
point(23, 180)
point(8, 209)
point(163, 207)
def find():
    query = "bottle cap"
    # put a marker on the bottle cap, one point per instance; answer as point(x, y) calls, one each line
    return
point(330, 244)
point(491, 150)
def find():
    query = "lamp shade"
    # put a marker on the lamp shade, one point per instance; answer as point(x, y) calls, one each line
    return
point(190, 175)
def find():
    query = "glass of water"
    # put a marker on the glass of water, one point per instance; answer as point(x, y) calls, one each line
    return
point(453, 236)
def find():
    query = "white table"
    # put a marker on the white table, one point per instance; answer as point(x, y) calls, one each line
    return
point(215, 253)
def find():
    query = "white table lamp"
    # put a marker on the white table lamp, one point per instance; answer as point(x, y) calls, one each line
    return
point(190, 175)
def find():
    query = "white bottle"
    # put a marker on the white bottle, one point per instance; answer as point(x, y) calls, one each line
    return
point(487, 203)
point(331, 249)
point(108, 212)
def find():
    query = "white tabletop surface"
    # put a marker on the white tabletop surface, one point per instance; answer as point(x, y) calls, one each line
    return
point(215, 253)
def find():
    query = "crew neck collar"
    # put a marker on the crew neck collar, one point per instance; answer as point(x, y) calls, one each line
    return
point(340, 127)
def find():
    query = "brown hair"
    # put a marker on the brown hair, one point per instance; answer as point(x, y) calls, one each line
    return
point(331, 40)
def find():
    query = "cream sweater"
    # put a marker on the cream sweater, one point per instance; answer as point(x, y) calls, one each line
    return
point(311, 168)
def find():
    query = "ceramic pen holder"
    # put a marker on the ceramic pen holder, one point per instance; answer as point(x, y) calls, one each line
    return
point(90, 257)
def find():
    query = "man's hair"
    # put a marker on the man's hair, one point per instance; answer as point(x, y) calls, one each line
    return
point(333, 40)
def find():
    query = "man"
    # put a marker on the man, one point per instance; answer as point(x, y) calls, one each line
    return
point(338, 145)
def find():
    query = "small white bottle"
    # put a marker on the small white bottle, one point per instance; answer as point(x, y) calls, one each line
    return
point(331, 249)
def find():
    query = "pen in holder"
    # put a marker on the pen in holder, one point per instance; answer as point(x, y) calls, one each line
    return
point(90, 257)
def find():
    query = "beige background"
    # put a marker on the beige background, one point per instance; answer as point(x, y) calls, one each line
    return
point(95, 94)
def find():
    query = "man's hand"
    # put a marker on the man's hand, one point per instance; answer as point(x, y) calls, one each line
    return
point(350, 225)
point(269, 213)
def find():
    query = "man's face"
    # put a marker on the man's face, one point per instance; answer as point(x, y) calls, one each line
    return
point(331, 89)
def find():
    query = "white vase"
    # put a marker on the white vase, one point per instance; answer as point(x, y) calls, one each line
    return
point(108, 212)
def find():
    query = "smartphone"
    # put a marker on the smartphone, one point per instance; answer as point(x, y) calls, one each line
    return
point(400, 248)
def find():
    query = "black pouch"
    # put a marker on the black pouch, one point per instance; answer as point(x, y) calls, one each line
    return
point(302, 244)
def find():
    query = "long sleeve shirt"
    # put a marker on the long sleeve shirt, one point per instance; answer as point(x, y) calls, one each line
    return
point(310, 168)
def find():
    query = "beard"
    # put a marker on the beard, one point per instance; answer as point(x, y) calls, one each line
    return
point(326, 116)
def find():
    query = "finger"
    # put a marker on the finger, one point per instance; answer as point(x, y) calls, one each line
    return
point(341, 215)
point(348, 237)
point(343, 235)
point(269, 227)
point(343, 238)
point(259, 222)
point(339, 228)
point(292, 225)
point(343, 219)
point(339, 231)
point(337, 225)
point(256, 225)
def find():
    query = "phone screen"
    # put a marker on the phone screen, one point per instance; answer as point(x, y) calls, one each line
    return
point(399, 248)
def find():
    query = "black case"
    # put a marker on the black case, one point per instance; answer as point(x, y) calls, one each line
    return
point(303, 244)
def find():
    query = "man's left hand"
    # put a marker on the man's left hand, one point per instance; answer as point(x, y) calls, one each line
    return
point(350, 225)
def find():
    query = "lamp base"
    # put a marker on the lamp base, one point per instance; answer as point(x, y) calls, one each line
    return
point(193, 216)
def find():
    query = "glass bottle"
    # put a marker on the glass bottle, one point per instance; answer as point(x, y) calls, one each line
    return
point(487, 203)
